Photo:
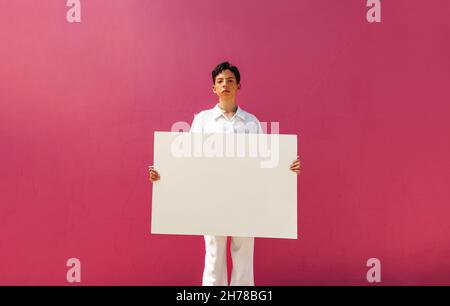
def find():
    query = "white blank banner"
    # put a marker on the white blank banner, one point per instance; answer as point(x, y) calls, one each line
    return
point(212, 185)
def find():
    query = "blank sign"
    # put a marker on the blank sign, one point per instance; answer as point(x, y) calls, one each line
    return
point(225, 185)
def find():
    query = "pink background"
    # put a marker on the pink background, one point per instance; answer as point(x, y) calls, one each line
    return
point(79, 104)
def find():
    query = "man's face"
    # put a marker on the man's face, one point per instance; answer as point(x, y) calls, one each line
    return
point(226, 84)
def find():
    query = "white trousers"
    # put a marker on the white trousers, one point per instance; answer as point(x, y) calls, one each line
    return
point(215, 272)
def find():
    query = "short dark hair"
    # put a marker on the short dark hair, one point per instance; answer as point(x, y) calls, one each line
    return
point(226, 66)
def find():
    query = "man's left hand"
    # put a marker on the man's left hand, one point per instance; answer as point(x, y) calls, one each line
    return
point(296, 166)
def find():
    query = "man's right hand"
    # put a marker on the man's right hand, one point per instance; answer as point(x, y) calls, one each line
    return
point(153, 174)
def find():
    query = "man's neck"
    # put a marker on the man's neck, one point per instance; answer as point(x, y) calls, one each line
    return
point(228, 106)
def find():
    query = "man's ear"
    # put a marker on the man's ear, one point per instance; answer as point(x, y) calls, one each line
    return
point(239, 86)
point(214, 89)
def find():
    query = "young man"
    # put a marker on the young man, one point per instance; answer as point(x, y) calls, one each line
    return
point(227, 117)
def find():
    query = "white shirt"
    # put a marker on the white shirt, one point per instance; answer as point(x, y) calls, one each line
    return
point(214, 121)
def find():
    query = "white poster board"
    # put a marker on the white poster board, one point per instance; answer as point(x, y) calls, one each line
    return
point(225, 185)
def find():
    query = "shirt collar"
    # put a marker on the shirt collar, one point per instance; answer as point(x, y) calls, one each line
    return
point(217, 112)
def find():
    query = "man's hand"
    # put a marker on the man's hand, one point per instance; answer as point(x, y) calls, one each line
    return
point(154, 175)
point(296, 166)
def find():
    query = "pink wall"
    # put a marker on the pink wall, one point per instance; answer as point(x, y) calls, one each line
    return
point(79, 104)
